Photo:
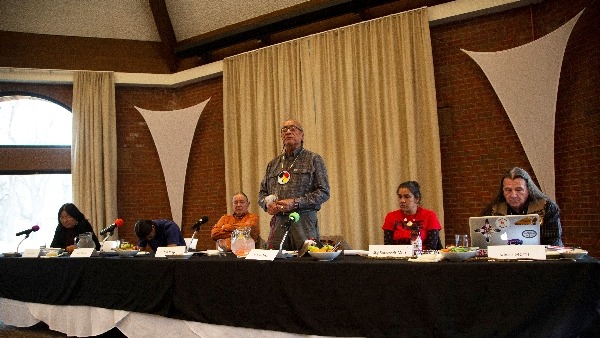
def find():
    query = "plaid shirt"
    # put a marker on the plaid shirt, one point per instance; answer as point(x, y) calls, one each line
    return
point(308, 180)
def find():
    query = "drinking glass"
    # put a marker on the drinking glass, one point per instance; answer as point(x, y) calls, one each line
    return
point(461, 240)
point(222, 247)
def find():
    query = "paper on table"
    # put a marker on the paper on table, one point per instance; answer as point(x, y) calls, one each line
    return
point(169, 250)
point(31, 253)
point(356, 252)
point(537, 252)
point(109, 245)
point(82, 252)
point(428, 258)
point(191, 243)
point(262, 255)
point(394, 251)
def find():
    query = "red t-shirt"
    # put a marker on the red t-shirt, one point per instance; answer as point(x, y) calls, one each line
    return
point(402, 225)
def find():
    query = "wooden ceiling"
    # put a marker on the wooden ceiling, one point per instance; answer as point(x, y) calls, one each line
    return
point(166, 36)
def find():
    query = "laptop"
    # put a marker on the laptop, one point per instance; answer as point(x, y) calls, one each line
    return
point(504, 230)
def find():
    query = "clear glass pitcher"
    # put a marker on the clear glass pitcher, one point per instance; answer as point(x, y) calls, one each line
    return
point(241, 241)
point(85, 240)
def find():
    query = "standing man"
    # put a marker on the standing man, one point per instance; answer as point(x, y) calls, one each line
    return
point(295, 181)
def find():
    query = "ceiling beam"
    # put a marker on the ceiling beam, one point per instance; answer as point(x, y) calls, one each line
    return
point(449, 11)
point(165, 31)
point(260, 28)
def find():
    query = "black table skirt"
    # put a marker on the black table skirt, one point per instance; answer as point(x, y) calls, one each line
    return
point(350, 296)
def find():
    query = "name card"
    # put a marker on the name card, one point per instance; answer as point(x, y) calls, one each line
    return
point(107, 246)
point(262, 255)
point(517, 252)
point(395, 251)
point(162, 251)
point(191, 243)
point(31, 253)
point(82, 252)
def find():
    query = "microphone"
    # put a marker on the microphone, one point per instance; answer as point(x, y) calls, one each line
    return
point(111, 228)
point(199, 222)
point(28, 231)
point(293, 218)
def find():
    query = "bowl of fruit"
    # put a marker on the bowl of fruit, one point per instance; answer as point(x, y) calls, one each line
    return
point(324, 253)
point(457, 254)
point(127, 250)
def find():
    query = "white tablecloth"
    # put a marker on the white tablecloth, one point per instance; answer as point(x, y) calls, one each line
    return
point(85, 321)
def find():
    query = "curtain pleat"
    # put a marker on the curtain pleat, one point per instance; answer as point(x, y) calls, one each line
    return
point(365, 95)
point(94, 149)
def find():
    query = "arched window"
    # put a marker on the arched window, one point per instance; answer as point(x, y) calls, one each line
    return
point(35, 168)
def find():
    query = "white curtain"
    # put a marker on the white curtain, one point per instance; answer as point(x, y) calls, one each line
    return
point(94, 149)
point(365, 95)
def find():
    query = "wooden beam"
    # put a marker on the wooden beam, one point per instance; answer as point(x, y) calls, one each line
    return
point(165, 31)
point(35, 159)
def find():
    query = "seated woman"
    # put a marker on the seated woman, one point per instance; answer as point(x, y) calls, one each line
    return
point(71, 223)
point(411, 218)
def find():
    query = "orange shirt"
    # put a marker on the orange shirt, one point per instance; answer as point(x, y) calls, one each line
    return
point(228, 223)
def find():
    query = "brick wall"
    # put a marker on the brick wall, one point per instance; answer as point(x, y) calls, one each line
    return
point(477, 139)
point(478, 142)
point(142, 189)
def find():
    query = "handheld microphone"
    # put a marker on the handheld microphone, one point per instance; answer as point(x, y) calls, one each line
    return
point(28, 231)
point(111, 228)
point(199, 222)
point(292, 218)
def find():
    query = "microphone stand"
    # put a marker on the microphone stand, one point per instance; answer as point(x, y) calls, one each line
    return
point(188, 248)
point(281, 254)
point(110, 233)
point(24, 238)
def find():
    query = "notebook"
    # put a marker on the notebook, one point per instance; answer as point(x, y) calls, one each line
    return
point(504, 230)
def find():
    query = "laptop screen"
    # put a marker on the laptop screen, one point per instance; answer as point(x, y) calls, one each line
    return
point(504, 230)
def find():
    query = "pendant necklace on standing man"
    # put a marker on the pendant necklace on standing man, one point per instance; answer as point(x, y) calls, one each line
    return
point(284, 176)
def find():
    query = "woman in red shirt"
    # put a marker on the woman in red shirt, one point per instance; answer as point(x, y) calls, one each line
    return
point(411, 219)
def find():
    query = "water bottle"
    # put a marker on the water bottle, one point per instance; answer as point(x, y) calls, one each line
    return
point(416, 242)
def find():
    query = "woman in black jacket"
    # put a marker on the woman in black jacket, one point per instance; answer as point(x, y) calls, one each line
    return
point(71, 223)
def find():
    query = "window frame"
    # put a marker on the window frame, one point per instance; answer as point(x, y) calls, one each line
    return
point(35, 159)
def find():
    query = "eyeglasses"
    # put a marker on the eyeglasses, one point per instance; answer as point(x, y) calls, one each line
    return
point(290, 128)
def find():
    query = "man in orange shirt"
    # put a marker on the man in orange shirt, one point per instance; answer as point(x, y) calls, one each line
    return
point(240, 218)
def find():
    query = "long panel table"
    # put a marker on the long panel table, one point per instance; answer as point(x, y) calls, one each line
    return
point(350, 296)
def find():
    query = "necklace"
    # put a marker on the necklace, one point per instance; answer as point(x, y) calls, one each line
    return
point(284, 176)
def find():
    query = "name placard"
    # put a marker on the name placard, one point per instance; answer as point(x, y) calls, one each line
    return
point(395, 251)
point(109, 245)
point(31, 253)
point(82, 252)
point(262, 255)
point(537, 252)
point(162, 251)
point(191, 243)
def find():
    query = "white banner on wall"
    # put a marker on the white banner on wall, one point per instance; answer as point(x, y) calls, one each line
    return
point(173, 132)
point(526, 78)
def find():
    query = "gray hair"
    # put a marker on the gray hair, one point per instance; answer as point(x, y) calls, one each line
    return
point(534, 192)
point(241, 193)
